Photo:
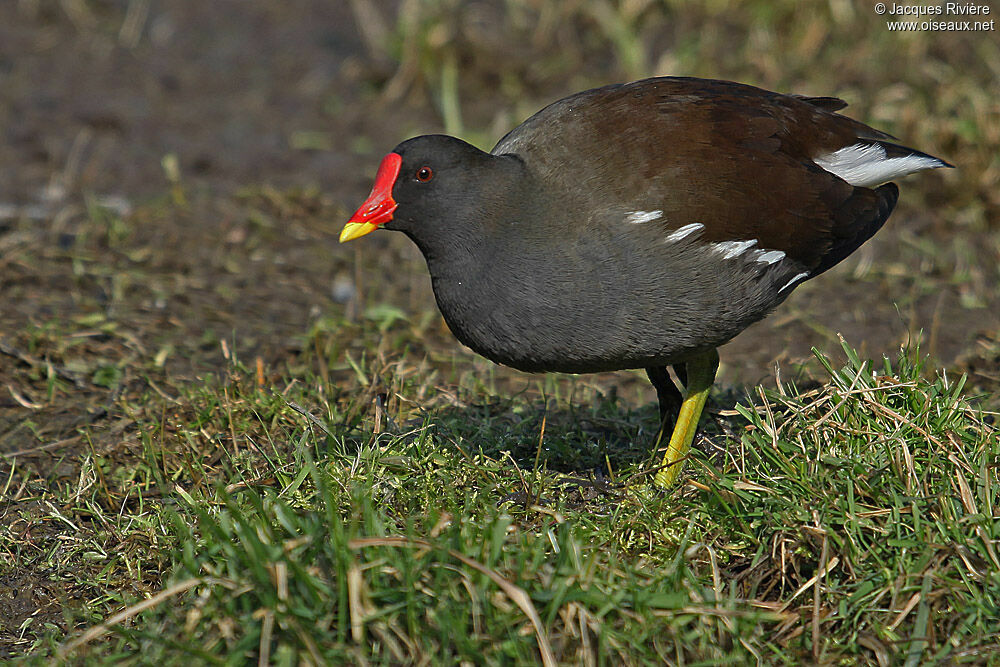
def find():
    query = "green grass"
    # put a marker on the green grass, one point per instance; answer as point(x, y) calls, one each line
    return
point(852, 522)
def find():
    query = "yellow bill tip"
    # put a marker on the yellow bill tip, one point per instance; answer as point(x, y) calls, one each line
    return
point(354, 230)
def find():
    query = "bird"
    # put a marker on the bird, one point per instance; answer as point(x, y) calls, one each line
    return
point(638, 226)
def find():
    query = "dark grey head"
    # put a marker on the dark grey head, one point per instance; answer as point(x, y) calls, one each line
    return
point(439, 191)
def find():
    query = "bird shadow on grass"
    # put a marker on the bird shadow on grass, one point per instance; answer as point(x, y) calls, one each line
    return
point(599, 438)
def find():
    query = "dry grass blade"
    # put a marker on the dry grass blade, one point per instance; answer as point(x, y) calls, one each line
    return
point(889, 412)
point(521, 599)
point(816, 601)
point(811, 582)
point(515, 593)
point(266, 631)
point(372, 27)
point(354, 584)
point(844, 399)
point(904, 612)
point(969, 502)
point(305, 413)
point(42, 448)
point(105, 627)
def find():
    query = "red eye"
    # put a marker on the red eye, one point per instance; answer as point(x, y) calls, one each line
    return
point(425, 174)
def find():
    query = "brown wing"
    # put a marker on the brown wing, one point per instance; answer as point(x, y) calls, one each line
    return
point(734, 158)
point(825, 103)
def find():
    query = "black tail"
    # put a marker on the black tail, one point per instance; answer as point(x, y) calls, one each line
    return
point(868, 215)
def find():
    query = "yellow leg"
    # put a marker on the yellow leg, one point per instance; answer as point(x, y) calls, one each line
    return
point(700, 376)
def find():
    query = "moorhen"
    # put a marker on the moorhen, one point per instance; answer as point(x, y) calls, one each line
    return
point(639, 225)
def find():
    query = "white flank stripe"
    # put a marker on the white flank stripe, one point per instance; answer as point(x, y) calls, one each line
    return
point(731, 249)
point(685, 231)
point(865, 165)
point(768, 256)
point(794, 280)
point(638, 217)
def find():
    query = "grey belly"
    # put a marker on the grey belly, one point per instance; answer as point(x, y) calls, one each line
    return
point(607, 325)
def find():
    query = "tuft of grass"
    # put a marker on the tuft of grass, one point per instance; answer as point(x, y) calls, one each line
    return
point(290, 521)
